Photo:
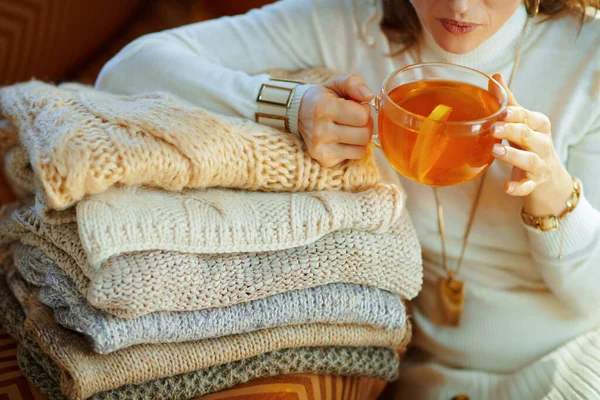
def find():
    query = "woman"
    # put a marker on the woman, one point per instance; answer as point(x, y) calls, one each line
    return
point(528, 292)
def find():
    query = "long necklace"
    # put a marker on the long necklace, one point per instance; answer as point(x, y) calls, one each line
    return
point(451, 291)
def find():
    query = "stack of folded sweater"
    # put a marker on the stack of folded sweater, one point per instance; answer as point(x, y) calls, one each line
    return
point(161, 251)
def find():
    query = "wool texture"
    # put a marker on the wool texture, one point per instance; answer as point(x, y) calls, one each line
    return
point(333, 304)
point(373, 362)
point(227, 221)
point(86, 372)
point(10, 229)
point(31, 367)
point(376, 362)
point(81, 141)
point(134, 284)
point(18, 172)
point(20, 288)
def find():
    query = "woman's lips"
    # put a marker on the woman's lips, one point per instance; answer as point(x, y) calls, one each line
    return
point(456, 27)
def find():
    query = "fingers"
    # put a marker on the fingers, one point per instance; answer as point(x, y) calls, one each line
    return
point(523, 187)
point(350, 135)
point(535, 120)
point(329, 155)
point(494, 89)
point(333, 123)
point(351, 87)
point(351, 113)
point(528, 161)
point(511, 98)
point(527, 172)
point(523, 136)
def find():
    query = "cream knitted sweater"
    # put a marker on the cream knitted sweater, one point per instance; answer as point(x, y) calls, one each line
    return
point(134, 284)
point(227, 221)
point(199, 256)
point(80, 141)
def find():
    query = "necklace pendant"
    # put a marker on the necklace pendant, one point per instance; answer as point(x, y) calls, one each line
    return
point(451, 298)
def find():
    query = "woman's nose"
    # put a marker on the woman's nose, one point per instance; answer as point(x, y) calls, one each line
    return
point(459, 6)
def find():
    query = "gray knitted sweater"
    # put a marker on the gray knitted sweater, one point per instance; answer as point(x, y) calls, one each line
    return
point(376, 362)
point(333, 304)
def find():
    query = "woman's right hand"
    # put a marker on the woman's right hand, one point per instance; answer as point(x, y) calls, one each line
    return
point(333, 123)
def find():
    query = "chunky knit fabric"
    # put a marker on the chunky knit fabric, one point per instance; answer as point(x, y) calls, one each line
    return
point(20, 288)
point(31, 366)
point(334, 304)
point(376, 362)
point(227, 221)
point(10, 229)
point(80, 141)
point(17, 171)
point(133, 284)
point(87, 373)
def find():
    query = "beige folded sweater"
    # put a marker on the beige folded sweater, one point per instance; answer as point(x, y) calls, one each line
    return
point(227, 221)
point(133, 284)
point(85, 372)
point(80, 141)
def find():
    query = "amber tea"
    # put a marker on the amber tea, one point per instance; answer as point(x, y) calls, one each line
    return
point(432, 152)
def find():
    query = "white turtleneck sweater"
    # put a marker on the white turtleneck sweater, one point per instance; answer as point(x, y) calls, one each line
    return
point(522, 302)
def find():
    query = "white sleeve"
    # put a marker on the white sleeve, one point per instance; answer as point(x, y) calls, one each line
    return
point(210, 64)
point(576, 278)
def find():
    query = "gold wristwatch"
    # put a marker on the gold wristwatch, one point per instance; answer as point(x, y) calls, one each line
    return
point(274, 99)
point(551, 222)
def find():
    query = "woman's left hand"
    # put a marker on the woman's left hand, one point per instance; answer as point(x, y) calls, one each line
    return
point(538, 174)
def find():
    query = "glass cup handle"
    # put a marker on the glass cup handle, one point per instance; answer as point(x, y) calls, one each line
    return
point(375, 103)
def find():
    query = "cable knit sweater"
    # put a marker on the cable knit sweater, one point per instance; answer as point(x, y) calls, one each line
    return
point(80, 141)
point(333, 304)
point(133, 284)
point(227, 221)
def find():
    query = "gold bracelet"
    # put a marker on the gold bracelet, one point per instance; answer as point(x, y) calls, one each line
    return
point(551, 222)
point(274, 98)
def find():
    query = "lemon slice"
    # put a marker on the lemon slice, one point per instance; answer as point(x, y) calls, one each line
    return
point(429, 145)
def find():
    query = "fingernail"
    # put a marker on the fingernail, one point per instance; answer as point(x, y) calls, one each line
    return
point(497, 130)
point(499, 150)
point(506, 114)
point(511, 189)
point(365, 92)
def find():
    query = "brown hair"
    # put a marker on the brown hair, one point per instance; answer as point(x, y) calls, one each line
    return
point(402, 26)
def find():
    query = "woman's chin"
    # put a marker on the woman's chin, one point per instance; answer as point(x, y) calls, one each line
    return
point(457, 44)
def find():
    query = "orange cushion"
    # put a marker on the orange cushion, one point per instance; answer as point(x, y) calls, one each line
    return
point(304, 387)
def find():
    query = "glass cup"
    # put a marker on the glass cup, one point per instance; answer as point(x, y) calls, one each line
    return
point(443, 146)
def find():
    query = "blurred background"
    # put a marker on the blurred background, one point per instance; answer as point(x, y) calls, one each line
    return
point(70, 40)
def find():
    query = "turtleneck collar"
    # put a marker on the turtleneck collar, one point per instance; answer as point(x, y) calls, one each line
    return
point(497, 50)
